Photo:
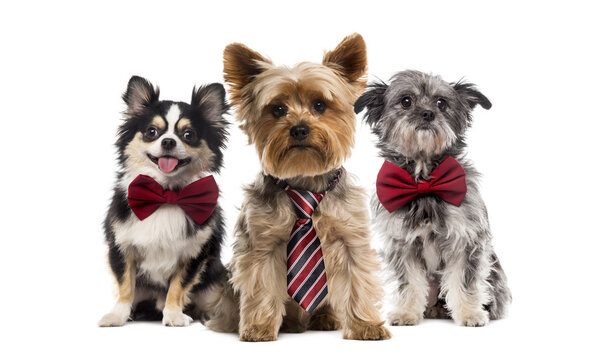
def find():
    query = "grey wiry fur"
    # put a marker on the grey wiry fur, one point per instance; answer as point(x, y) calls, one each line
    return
point(439, 255)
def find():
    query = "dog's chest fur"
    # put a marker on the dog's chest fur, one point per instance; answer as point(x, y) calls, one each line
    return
point(161, 241)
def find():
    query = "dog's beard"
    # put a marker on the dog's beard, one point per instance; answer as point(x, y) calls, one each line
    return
point(417, 139)
point(284, 159)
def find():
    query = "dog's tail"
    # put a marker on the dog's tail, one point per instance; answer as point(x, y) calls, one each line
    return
point(223, 306)
point(500, 294)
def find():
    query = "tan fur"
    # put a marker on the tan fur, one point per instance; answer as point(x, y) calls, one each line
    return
point(258, 267)
point(177, 293)
point(183, 124)
point(126, 288)
point(159, 122)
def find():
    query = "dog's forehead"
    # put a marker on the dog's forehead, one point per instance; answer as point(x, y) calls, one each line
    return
point(418, 83)
point(304, 78)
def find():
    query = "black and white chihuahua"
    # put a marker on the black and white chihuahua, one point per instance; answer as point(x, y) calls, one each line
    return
point(166, 262)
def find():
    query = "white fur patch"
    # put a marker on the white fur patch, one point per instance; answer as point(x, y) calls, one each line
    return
point(161, 240)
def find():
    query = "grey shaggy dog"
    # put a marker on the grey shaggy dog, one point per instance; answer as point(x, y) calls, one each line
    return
point(439, 256)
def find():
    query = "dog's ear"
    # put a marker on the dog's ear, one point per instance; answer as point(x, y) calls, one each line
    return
point(471, 95)
point(211, 100)
point(139, 95)
point(372, 99)
point(349, 58)
point(240, 66)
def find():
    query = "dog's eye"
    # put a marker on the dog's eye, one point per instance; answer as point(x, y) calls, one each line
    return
point(406, 102)
point(188, 135)
point(278, 111)
point(319, 106)
point(151, 133)
point(442, 104)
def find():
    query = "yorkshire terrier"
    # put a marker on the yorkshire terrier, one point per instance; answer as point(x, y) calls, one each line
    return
point(438, 244)
point(302, 257)
point(164, 228)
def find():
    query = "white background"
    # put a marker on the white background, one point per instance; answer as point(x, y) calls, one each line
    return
point(64, 66)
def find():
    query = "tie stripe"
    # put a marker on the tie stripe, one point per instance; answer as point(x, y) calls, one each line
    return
point(307, 281)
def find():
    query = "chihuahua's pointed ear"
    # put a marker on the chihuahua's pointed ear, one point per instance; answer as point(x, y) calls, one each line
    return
point(140, 94)
point(349, 58)
point(469, 93)
point(240, 66)
point(372, 99)
point(211, 100)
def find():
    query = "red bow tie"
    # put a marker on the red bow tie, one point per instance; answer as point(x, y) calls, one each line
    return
point(198, 200)
point(396, 187)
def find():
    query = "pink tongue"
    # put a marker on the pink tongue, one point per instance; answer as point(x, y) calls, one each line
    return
point(167, 164)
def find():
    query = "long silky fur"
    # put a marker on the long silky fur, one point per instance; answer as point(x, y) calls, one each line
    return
point(436, 254)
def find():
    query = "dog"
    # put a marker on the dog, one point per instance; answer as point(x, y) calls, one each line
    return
point(301, 122)
point(165, 252)
point(438, 244)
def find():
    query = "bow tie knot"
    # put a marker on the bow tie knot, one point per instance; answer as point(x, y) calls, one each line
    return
point(396, 187)
point(171, 197)
point(198, 200)
point(424, 187)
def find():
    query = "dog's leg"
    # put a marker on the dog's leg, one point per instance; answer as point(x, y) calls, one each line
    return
point(464, 287)
point(295, 319)
point(123, 268)
point(324, 318)
point(410, 300)
point(500, 293)
point(355, 289)
point(177, 296)
point(260, 278)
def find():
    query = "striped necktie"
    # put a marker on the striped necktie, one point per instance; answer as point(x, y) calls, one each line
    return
point(306, 278)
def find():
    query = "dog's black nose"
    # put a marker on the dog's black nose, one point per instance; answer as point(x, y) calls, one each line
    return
point(428, 115)
point(168, 143)
point(299, 132)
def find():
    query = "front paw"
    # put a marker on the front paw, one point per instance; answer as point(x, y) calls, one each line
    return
point(474, 318)
point(257, 333)
point(175, 318)
point(363, 331)
point(113, 319)
point(405, 318)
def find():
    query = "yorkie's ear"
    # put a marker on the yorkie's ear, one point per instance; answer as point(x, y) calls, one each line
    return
point(210, 99)
point(372, 99)
point(140, 94)
point(349, 58)
point(471, 95)
point(241, 65)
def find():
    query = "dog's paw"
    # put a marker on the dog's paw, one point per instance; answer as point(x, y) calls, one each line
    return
point(361, 331)
point(474, 319)
point(175, 318)
point(113, 319)
point(255, 333)
point(405, 318)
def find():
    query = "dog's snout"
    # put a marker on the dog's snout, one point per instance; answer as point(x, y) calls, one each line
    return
point(168, 143)
point(428, 115)
point(299, 132)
